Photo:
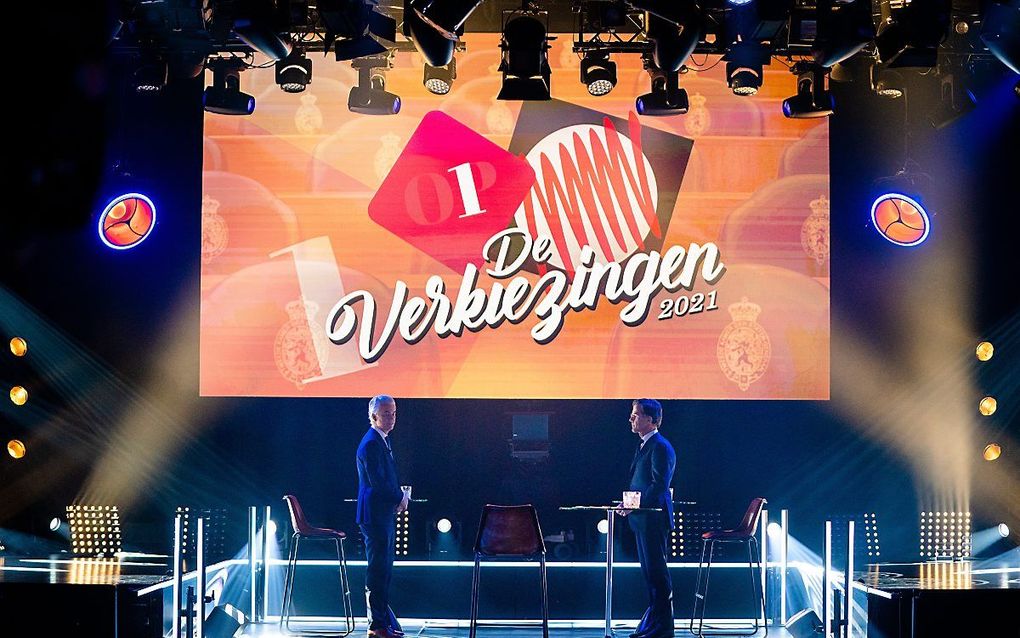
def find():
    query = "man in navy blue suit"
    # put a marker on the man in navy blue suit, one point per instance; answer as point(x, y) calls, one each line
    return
point(651, 473)
point(380, 499)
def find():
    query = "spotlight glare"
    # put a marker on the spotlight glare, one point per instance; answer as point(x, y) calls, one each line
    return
point(19, 395)
point(444, 526)
point(992, 451)
point(1003, 530)
point(54, 524)
point(603, 526)
point(16, 448)
point(19, 347)
point(984, 351)
point(987, 406)
point(272, 527)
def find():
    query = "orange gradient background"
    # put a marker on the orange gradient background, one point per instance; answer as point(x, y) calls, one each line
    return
point(304, 167)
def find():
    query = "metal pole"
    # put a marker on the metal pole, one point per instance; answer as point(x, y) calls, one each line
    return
point(610, 517)
point(784, 521)
point(175, 621)
point(826, 566)
point(764, 565)
point(200, 586)
point(848, 607)
point(252, 544)
point(265, 563)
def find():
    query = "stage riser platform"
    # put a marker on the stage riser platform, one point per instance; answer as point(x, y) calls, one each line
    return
point(434, 591)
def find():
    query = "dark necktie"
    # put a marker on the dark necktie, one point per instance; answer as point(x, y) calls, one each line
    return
point(389, 448)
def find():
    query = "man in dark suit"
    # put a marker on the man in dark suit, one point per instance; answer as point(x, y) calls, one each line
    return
point(380, 498)
point(651, 473)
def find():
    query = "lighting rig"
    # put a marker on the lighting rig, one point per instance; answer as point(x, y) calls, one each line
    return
point(813, 38)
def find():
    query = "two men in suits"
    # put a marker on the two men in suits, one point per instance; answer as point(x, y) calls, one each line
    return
point(651, 473)
point(380, 499)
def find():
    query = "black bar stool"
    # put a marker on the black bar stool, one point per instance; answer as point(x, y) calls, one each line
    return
point(745, 534)
point(509, 531)
point(302, 530)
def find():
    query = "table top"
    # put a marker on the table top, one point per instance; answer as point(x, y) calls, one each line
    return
point(66, 570)
point(616, 506)
point(931, 576)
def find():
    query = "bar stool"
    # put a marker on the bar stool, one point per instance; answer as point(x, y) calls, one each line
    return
point(509, 531)
point(745, 534)
point(302, 530)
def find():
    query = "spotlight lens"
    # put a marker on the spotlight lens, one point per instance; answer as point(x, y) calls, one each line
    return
point(987, 406)
point(1003, 530)
point(603, 526)
point(444, 525)
point(437, 86)
point(292, 87)
point(890, 93)
point(745, 90)
point(992, 451)
point(54, 524)
point(600, 87)
point(16, 448)
point(19, 347)
point(19, 395)
point(984, 351)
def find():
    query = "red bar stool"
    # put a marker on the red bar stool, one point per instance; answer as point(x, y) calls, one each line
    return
point(302, 530)
point(509, 531)
point(745, 533)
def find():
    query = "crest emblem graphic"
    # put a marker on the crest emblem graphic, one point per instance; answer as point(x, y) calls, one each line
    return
point(214, 230)
point(744, 348)
point(698, 119)
point(308, 117)
point(298, 348)
point(814, 232)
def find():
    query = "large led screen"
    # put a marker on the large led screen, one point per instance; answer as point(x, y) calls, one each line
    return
point(479, 248)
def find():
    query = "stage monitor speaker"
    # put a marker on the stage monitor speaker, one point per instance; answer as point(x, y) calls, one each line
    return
point(804, 624)
point(223, 622)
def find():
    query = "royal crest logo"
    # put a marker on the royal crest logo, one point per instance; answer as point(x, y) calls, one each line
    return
point(744, 348)
point(308, 117)
point(298, 348)
point(814, 232)
point(215, 233)
point(698, 118)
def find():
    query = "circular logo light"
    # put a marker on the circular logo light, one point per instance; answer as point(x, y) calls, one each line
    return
point(126, 221)
point(900, 219)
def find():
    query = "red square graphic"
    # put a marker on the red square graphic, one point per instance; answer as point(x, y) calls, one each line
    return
point(450, 191)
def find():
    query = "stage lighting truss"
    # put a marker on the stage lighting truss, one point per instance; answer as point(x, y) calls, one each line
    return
point(403, 540)
point(95, 529)
point(945, 535)
point(676, 536)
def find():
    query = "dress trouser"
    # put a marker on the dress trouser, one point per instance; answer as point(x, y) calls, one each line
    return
point(380, 548)
point(652, 542)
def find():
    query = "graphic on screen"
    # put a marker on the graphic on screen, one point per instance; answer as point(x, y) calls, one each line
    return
point(476, 248)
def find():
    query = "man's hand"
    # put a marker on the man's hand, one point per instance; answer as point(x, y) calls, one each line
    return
point(623, 512)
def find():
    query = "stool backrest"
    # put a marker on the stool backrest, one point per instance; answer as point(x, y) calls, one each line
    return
point(509, 530)
point(297, 516)
point(749, 524)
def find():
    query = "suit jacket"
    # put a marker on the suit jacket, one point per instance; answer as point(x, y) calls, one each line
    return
point(378, 488)
point(651, 473)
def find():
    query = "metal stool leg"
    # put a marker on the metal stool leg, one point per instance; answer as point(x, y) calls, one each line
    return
point(346, 581)
point(474, 596)
point(758, 588)
point(697, 587)
point(288, 585)
point(545, 599)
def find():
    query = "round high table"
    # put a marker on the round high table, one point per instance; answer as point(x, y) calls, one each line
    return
point(610, 511)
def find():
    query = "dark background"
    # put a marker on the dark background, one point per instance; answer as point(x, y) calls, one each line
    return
point(116, 309)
